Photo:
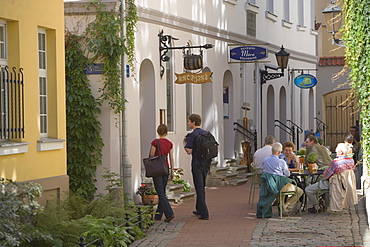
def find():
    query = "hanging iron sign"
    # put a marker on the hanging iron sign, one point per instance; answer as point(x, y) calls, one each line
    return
point(248, 53)
point(305, 81)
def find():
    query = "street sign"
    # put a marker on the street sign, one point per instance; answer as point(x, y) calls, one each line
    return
point(193, 78)
point(248, 53)
point(94, 69)
point(305, 81)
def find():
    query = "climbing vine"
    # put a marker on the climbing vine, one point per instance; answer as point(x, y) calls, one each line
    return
point(84, 143)
point(131, 20)
point(102, 42)
point(356, 35)
point(106, 45)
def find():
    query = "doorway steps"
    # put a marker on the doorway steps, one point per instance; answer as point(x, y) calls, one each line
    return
point(229, 175)
point(175, 195)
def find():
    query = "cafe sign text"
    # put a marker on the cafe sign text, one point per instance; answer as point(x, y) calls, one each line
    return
point(305, 81)
point(193, 78)
point(248, 53)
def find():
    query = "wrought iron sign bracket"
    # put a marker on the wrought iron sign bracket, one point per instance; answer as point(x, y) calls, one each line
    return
point(165, 46)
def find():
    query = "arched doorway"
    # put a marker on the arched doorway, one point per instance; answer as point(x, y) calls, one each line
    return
point(270, 110)
point(147, 107)
point(228, 115)
point(283, 114)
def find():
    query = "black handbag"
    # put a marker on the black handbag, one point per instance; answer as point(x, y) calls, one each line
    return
point(156, 166)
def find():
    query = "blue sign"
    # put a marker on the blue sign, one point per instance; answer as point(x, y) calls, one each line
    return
point(248, 53)
point(305, 81)
point(94, 69)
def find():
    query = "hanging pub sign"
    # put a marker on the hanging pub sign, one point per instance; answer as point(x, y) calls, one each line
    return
point(193, 78)
point(248, 53)
point(305, 81)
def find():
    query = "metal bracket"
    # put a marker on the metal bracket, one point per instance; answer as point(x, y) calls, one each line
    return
point(165, 45)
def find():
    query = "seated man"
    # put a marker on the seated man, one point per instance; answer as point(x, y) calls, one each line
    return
point(323, 159)
point(342, 190)
point(274, 180)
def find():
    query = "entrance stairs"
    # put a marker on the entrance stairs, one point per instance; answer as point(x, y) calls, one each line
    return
point(229, 175)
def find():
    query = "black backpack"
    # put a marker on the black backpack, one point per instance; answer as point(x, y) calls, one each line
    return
point(206, 148)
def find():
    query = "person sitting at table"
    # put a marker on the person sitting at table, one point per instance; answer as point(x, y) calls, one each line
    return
point(323, 159)
point(263, 152)
point(273, 180)
point(340, 178)
point(288, 156)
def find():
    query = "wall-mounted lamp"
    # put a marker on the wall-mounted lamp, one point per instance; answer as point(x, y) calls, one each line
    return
point(333, 21)
point(191, 62)
point(282, 58)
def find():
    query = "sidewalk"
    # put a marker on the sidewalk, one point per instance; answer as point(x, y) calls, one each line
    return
point(233, 223)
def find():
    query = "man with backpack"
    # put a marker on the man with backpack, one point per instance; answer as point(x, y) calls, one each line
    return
point(203, 147)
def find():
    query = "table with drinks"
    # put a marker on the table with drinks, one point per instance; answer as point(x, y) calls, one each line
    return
point(303, 178)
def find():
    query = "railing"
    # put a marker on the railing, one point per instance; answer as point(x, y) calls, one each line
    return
point(285, 128)
point(320, 123)
point(11, 103)
point(137, 220)
point(299, 130)
point(252, 136)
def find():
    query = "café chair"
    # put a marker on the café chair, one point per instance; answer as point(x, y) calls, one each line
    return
point(322, 198)
point(288, 193)
point(256, 182)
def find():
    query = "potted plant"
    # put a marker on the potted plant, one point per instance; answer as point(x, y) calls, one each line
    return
point(311, 160)
point(177, 174)
point(301, 154)
point(148, 194)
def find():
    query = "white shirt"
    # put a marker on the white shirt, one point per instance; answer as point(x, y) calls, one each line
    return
point(260, 155)
point(276, 166)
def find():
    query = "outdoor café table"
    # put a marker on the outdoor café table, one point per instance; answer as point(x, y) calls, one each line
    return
point(303, 179)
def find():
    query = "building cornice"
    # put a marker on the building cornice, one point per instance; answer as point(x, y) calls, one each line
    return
point(157, 17)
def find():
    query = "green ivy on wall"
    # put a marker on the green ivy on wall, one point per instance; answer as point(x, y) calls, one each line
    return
point(356, 36)
point(84, 143)
point(101, 42)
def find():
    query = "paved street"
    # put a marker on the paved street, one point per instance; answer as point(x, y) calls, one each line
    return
point(233, 223)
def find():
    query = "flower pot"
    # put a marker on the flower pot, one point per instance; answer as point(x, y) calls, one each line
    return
point(311, 166)
point(150, 199)
point(301, 159)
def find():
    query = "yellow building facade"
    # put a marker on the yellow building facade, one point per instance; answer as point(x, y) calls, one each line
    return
point(32, 94)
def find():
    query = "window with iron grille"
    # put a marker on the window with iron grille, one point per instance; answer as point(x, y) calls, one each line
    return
point(43, 83)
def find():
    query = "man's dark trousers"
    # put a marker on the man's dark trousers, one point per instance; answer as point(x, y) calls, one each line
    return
point(199, 178)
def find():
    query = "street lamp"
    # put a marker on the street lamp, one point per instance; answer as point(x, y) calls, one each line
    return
point(333, 21)
point(282, 58)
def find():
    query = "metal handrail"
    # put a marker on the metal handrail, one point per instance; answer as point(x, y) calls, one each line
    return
point(318, 122)
point(291, 133)
point(254, 135)
point(299, 128)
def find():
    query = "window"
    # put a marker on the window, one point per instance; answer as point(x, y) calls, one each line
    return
point(2, 42)
point(251, 23)
point(169, 92)
point(300, 13)
point(286, 10)
point(270, 6)
point(43, 83)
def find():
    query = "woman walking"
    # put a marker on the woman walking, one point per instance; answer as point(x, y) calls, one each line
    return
point(160, 182)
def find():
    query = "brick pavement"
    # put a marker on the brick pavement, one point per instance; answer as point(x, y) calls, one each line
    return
point(233, 223)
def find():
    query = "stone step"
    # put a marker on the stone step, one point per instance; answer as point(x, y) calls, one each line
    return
point(174, 188)
point(181, 197)
point(237, 182)
point(244, 175)
point(231, 162)
point(238, 169)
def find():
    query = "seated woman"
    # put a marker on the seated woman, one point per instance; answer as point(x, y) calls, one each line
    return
point(289, 157)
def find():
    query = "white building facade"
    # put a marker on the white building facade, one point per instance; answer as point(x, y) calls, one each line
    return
point(153, 99)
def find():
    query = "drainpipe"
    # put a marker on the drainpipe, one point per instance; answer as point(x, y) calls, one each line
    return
point(126, 167)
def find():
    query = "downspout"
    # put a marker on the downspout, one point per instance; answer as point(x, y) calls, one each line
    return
point(126, 167)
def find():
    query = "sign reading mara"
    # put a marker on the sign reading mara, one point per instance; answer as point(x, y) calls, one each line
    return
point(194, 78)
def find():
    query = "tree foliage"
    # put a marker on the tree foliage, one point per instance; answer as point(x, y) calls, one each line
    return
point(356, 36)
